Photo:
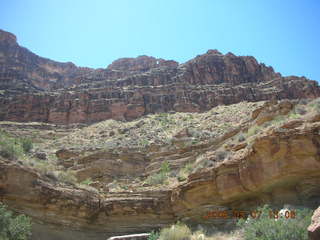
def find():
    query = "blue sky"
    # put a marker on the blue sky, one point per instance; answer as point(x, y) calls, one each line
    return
point(282, 33)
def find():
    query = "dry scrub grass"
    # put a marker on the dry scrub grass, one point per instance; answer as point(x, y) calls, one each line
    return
point(158, 128)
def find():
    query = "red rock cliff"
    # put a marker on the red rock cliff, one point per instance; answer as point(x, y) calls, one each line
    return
point(38, 89)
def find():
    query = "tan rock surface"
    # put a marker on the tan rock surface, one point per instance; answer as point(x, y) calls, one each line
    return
point(279, 164)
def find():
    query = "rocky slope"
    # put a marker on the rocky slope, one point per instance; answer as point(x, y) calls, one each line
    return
point(33, 88)
point(269, 153)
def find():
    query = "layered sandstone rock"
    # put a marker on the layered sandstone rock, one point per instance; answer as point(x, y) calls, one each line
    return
point(39, 89)
point(279, 164)
point(67, 212)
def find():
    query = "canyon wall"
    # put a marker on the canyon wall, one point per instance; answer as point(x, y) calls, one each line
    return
point(33, 88)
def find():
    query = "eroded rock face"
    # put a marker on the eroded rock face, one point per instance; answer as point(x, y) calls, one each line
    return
point(278, 166)
point(39, 89)
point(73, 213)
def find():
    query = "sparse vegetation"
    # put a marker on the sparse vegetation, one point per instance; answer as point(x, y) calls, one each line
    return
point(165, 129)
point(165, 167)
point(253, 130)
point(241, 137)
point(11, 147)
point(67, 177)
point(175, 232)
point(300, 109)
point(13, 227)
point(88, 181)
point(266, 227)
point(158, 129)
point(157, 178)
point(221, 155)
point(44, 168)
point(160, 177)
point(185, 171)
point(315, 104)
point(144, 142)
point(154, 235)
point(181, 231)
point(26, 144)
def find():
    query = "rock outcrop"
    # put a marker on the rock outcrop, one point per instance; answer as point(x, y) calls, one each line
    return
point(38, 89)
point(66, 212)
point(278, 164)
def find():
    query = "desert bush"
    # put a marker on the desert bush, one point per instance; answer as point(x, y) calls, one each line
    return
point(221, 155)
point(241, 137)
point(88, 188)
point(294, 115)
point(13, 148)
point(8, 150)
point(13, 227)
point(144, 142)
point(26, 144)
point(185, 171)
point(175, 232)
point(88, 181)
point(304, 101)
point(266, 227)
point(253, 130)
point(157, 178)
point(194, 141)
point(300, 109)
point(154, 235)
point(217, 235)
point(44, 168)
point(67, 177)
point(315, 104)
point(165, 167)
point(206, 163)
point(279, 119)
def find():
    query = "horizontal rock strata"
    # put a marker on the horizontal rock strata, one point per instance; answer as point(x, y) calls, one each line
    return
point(33, 88)
point(280, 166)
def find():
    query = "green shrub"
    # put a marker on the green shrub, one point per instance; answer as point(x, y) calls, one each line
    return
point(304, 101)
point(8, 150)
point(67, 177)
point(154, 235)
point(300, 110)
point(13, 227)
point(144, 142)
point(279, 119)
point(176, 232)
point(165, 167)
point(221, 155)
point(185, 171)
point(164, 119)
point(315, 104)
point(194, 142)
point(241, 137)
point(253, 130)
point(26, 144)
point(158, 178)
point(294, 115)
point(88, 181)
point(266, 227)
point(13, 148)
